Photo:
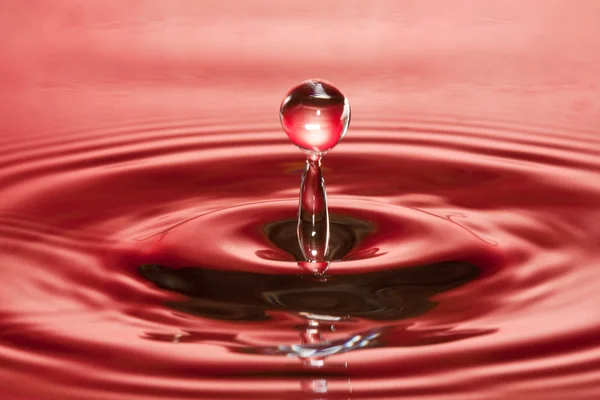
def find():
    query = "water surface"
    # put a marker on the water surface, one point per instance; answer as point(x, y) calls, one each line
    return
point(148, 193)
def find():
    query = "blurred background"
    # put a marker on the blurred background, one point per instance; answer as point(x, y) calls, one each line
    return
point(522, 60)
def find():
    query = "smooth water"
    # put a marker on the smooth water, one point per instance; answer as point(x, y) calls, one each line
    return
point(148, 244)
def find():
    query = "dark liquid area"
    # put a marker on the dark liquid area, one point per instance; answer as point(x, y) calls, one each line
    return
point(328, 303)
point(244, 296)
point(148, 216)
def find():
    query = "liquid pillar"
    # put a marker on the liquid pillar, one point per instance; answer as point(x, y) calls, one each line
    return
point(315, 115)
point(313, 219)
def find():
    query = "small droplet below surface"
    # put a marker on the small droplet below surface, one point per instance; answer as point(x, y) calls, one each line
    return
point(314, 267)
point(315, 115)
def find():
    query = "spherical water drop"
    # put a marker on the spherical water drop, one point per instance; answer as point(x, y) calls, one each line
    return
point(315, 115)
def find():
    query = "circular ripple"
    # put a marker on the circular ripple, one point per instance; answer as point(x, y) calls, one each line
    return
point(78, 218)
point(233, 239)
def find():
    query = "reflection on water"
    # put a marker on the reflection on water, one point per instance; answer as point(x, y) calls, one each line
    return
point(326, 303)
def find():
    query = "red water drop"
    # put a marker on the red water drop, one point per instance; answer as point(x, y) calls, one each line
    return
point(315, 115)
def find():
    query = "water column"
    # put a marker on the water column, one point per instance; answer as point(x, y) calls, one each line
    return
point(315, 115)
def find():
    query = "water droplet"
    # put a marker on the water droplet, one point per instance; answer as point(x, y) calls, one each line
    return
point(315, 115)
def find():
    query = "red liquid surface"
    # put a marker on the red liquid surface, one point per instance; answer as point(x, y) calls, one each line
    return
point(147, 132)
